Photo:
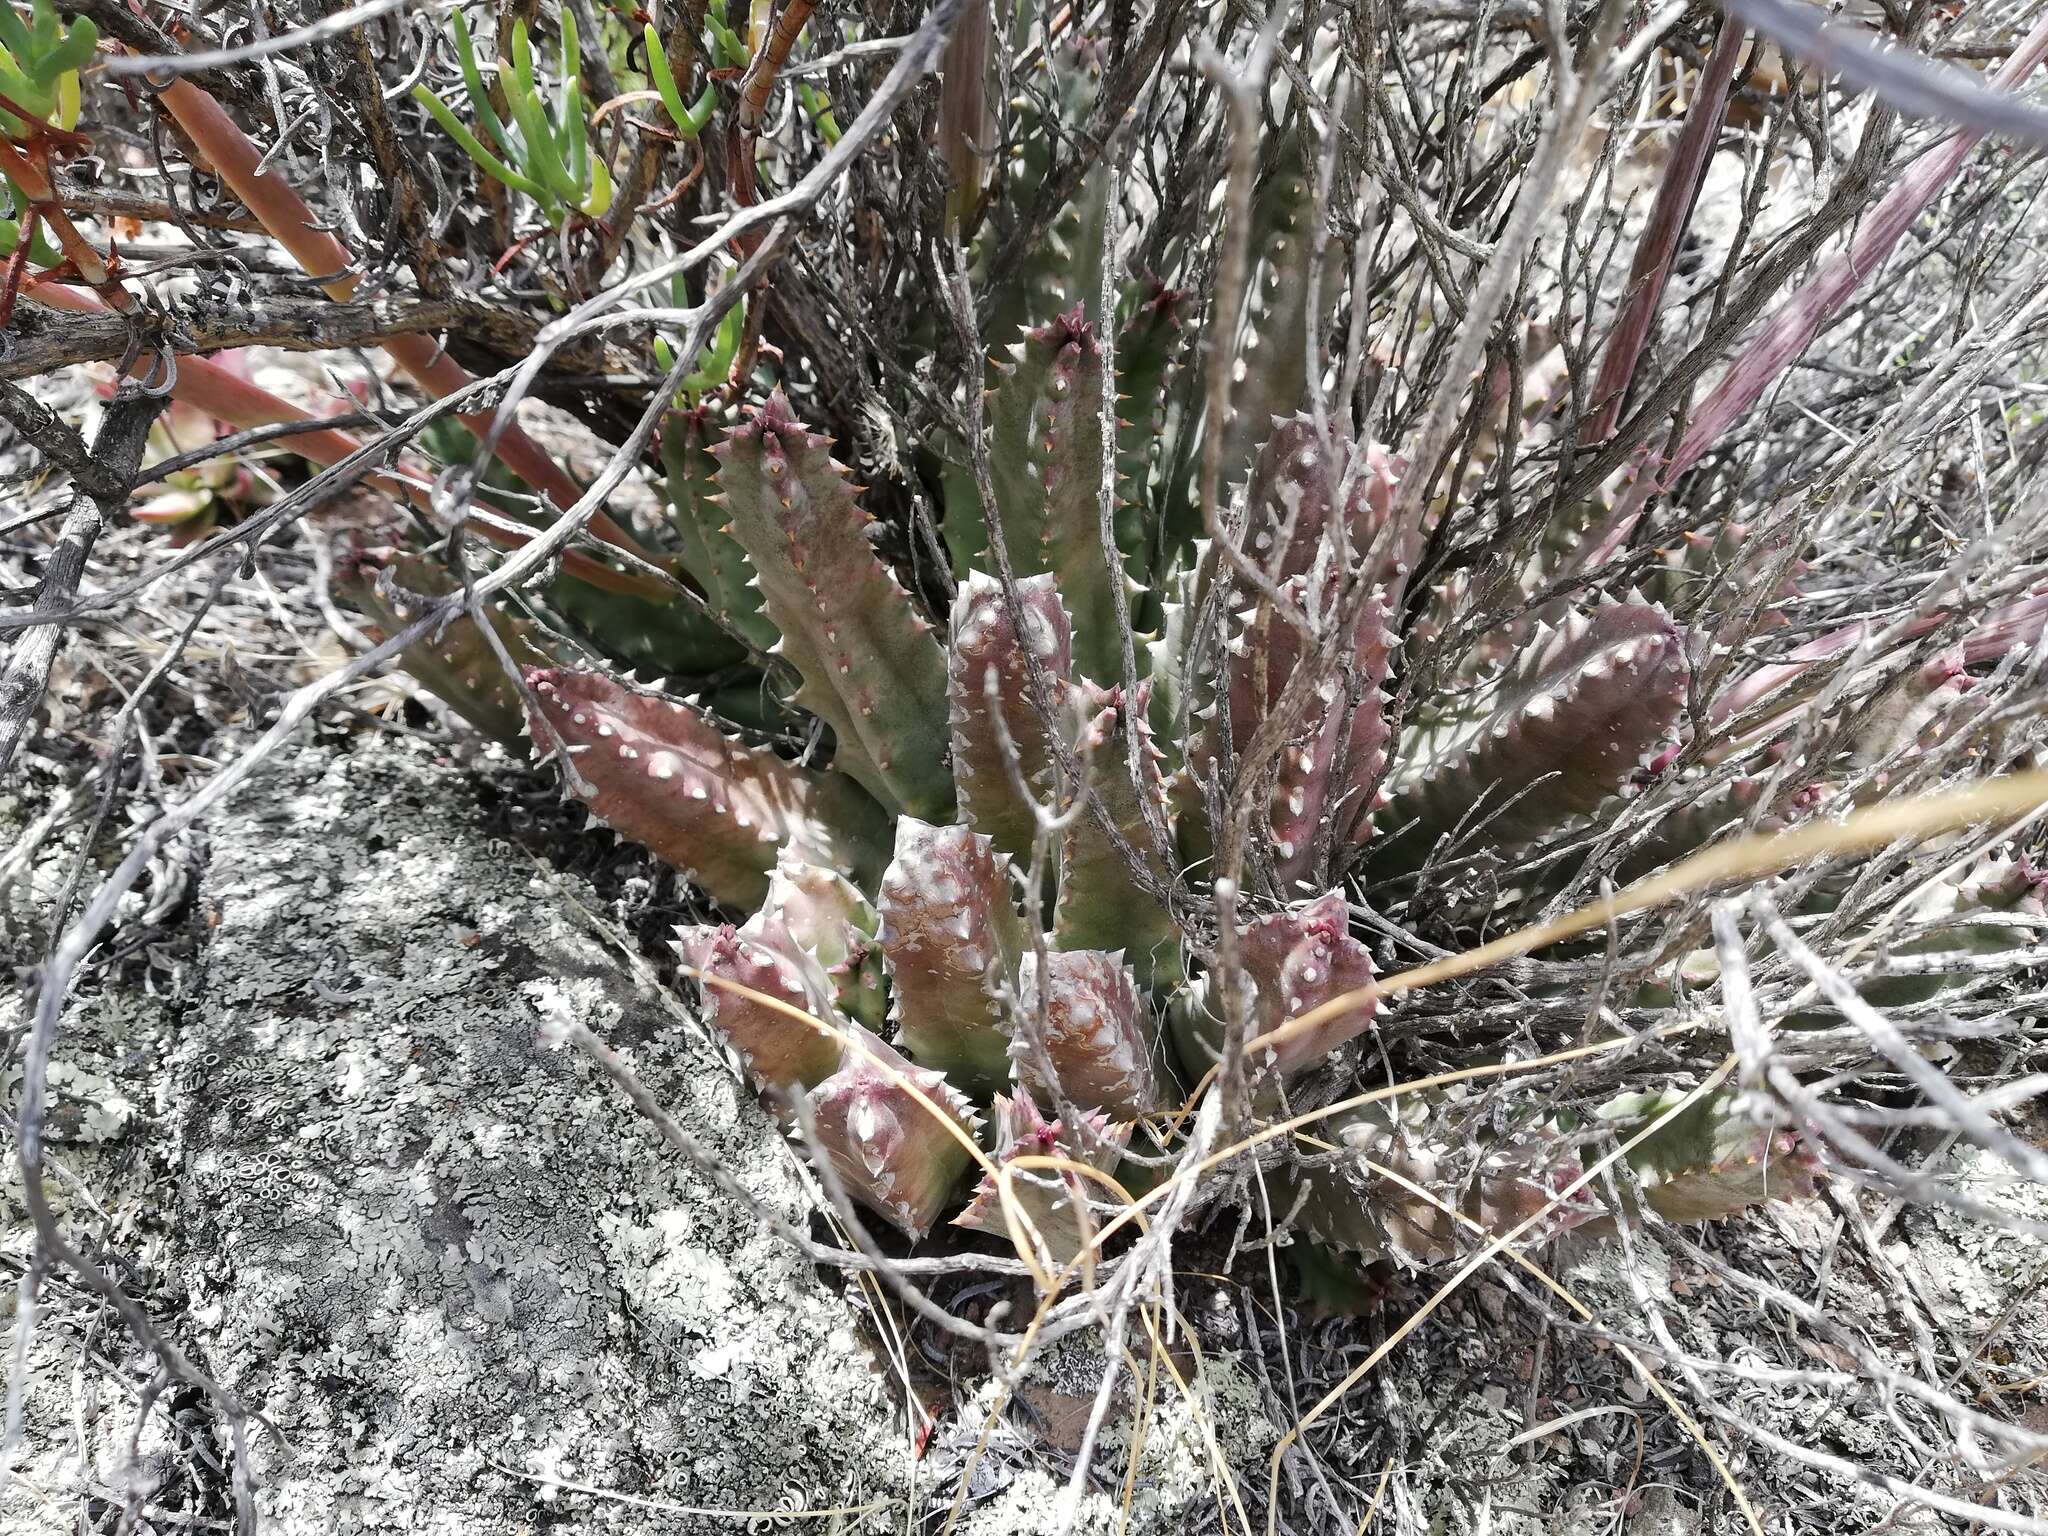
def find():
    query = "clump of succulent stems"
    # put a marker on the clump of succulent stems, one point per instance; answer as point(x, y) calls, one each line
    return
point(1037, 790)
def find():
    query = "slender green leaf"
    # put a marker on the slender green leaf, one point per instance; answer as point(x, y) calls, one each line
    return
point(45, 32)
point(479, 98)
point(599, 203)
point(77, 49)
point(689, 120)
point(575, 143)
point(475, 149)
point(14, 34)
point(542, 160)
point(40, 251)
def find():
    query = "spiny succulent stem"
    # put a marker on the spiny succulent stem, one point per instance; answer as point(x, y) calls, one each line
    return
point(1102, 904)
point(1005, 751)
point(870, 665)
point(662, 773)
point(1580, 709)
point(899, 1138)
point(952, 935)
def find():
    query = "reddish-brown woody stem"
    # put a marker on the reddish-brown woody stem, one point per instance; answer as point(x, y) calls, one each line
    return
point(29, 171)
point(284, 213)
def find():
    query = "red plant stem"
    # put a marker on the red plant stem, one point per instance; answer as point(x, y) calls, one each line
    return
point(234, 400)
point(27, 172)
point(739, 175)
point(759, 81)
point(2016, 623)
point(756, 85)
point(18, 263)
point(1788, 332)
point(1669, 215)
point(2020, 623)
point(277, 204)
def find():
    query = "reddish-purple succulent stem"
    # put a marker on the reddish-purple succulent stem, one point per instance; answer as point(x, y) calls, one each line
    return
point(1672, 212)
point(1788, 332)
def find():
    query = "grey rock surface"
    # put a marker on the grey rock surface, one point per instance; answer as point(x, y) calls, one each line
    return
point(442, 1255)
point(406, 1189)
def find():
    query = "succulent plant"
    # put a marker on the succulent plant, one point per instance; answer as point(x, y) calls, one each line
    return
point(1295, 960)
point(1097, 1032)
point(823, 915)
point(966, 801)
point(871, 666)
point(545, 151)
point(1710, 1160)
point(664, 773)
point(1063, 1208)
point(770, 965)
point(39, 63)
point(1474, 1183)
point(952, 939)
point(1580, 708)
point(1004, 749)
point(1185, 649)
point(460, 664)
point(896, 1134)
point(888, 887)
point(885, 883)
point(191, 502)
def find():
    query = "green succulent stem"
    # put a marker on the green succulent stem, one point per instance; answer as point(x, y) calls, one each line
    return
point(871, 666)
point(457, 130)
point(473, 83)
point(689, 119)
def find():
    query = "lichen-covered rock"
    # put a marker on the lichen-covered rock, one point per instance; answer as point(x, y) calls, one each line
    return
point(447, 1258)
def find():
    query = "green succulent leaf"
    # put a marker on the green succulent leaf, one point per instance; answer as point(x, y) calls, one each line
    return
point(74, 51)
point(40, 251)
point(818, 107)
point(987, 641)
point(473, 83)
point(457, 130)
point(1579, 708)
point(1046, 470)
point(711, 555)
point(458, 665)
point(1101, 906)
point(1711, 1160)
point(690, 119)
point(14, 34)
point(732, 52)
point(871, 666)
